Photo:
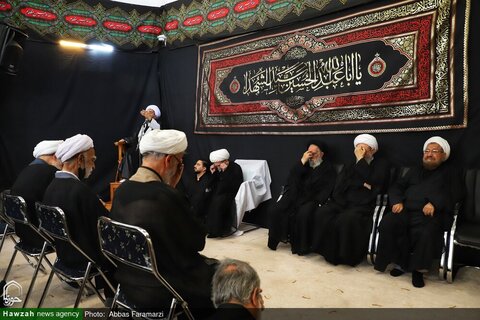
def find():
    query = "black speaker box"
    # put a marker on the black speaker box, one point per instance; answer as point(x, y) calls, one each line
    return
point(11, 48)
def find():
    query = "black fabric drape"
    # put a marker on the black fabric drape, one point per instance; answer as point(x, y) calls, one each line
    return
point(60, 92)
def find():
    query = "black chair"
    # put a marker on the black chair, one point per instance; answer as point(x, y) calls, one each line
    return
point(132, 246)
point(381, 205)
point(15, 209)
point(53, 222)
point(378, 212)
point(465, 231)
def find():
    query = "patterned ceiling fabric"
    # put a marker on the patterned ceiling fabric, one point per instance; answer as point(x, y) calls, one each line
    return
point(122, 25)
point(184, 22)
point(400, 66)
point(188, 21)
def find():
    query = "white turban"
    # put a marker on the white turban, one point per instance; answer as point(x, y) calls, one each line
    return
point(155, 109)
point(219, 155)
point(46, 147)
point(441, 142)
point(73, 146)
point(368, 139)
point(164, 141)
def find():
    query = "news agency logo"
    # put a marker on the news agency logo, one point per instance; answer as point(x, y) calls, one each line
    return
point(12, 291)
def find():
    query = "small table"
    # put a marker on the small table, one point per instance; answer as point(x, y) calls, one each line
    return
point(255, 188)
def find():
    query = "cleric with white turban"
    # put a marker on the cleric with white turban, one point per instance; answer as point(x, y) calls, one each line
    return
point(219, 155)
point(441, 142)
point(73, 146)
point(368, 139)
point(166, 141)
point(155, 109)
point(46, 147)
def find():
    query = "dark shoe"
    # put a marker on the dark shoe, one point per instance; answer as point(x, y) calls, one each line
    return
point(417, 279)
point(380, 266)
point(396, 272)
point(302, 253)
point(272, 244)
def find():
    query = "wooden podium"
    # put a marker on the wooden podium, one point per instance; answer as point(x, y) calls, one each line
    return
point(115, 184)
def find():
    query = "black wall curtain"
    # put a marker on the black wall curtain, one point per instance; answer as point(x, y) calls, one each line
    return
point(179, 81)
point(60, 92)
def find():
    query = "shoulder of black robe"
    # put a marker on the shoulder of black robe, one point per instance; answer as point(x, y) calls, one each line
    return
point(82, 209)
point(351, 180)
point(176, 236)
point(162, 211)
point(228, 181)
point(297, 171)
point(31, 184)
point(321, 184)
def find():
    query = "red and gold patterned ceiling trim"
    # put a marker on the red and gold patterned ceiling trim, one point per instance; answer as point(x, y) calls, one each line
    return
point(183, 22)
point(85, 21)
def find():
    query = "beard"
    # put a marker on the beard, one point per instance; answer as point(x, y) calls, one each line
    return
point(431, 165)
point(84, 174)
point(169, 175)
point(313, 163)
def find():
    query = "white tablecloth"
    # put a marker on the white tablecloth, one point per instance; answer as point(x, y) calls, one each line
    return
point(255, 187)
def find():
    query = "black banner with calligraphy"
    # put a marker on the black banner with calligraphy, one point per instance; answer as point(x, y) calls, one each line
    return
point(381, 70)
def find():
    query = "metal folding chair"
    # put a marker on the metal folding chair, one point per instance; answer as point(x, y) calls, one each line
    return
point(53, 222)
point(6, 225)
point(380, 206)
point(465, 230)
point(132, 246)
point(15, 210)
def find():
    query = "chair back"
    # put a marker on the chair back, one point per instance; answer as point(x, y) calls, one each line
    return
point(470, 210)
point(3, 217)
point(338, 167)
point(15, 208)
point(126, 244)
point(132, 246)
point(402, 171)
point(52, 221)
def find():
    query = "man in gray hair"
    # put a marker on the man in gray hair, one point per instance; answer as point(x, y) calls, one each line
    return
point(236, 291)
point(149, 200)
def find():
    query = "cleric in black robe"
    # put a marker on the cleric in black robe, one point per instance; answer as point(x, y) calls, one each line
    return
point(227, 177)
point(31, 184)
point(81, 205)
point(341, 228)
point(199, 190)
point(310, 184)
point(411, 235)
point(131, 157)
point(149, 200)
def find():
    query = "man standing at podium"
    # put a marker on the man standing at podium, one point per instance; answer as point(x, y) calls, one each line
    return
point(132, 158)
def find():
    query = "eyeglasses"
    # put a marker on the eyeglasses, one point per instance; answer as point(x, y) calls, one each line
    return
point(434, 151)
point(180, 161)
